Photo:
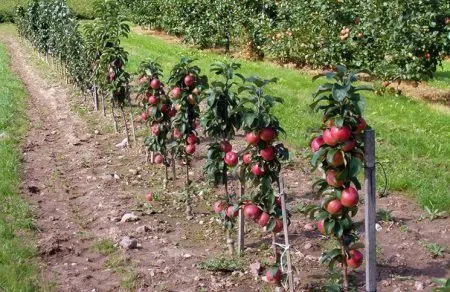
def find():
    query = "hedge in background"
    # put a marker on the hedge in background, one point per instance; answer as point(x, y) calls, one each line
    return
point(83, 9)
point(404, 39)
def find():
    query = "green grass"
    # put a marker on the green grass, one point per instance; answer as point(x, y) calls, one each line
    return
point(412, 136)
point(105, 247)
point(82, 8)
point(18, 269)
point(442, 77)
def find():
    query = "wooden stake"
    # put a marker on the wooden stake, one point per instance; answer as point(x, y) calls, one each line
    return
point(126, 125)
point(241, 222)
point(286, 234)
point(188, 194)
point(95, 97)
point(370, 211)
point(230, 242)
point(345, 267)
point(166, 175)
point(174, 171)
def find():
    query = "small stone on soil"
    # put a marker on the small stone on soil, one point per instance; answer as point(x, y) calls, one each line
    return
point(308, 245)
point(107, 177)
point(378, 227)
point(419, 285)
point(128, 243)
point(129, 217)
point(142, 229)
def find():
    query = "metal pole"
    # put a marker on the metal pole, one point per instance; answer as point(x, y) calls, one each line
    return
point(370, 211)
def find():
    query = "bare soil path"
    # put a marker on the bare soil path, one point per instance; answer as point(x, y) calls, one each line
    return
point(80, 186)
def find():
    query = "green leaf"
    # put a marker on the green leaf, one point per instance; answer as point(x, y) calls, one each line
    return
point(339, 92)
point(339, 121)
point(329, 226)
point(318, 156)
point(354, 167)
point(330, 154)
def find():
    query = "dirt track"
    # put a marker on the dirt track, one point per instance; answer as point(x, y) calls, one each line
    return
point(69, 181)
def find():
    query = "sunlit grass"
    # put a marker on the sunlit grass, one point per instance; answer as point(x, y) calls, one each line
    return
point(18, 270)
point(442, 77)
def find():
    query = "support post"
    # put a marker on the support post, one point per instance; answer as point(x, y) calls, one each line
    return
point(370, 211)
point(286, 235)
point(241, 220)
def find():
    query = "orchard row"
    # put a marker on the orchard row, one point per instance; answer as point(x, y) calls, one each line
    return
point(96, 62)
point(394, 40)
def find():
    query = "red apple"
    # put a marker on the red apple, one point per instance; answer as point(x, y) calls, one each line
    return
point(219, 206)
point(258, 170)
point(190, 149)
point(144, 116)
point(159, 159)
point(263, 219)
point(155, 129)
point(149, 197)
point(338, 159)
point(349, 197)
point(428, 56)
point(177, 134)
point(252, 138)
point(189, 80)
point(349, 145)
point(191, 139)
point(331, 179)
point(247, 158)
point(356, 259)
point(152, 99)
point(164, 108)
point(231, 158)
point(172, 112)
point(278, 226)
point(321, 227)
point(273, 276)
point(316, 143)
point(231, 212)
point(334, 207)
point(225, 146)
point(328, 138)
point(341, 134)
point(267, 153)
point(362, 125)
point(267, 134)
point(252, 212)
point(195, 124)
point(176, 93)
point(155, 84)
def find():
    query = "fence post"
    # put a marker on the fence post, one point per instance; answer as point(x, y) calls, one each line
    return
point(370, 211)
point(241, 221)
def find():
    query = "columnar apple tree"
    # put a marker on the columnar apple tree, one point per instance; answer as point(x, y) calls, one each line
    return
point(338, 152)
point(221, 120)
point(186, 86)
point(157, 112)
point(262, 161)
point(103, 40)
